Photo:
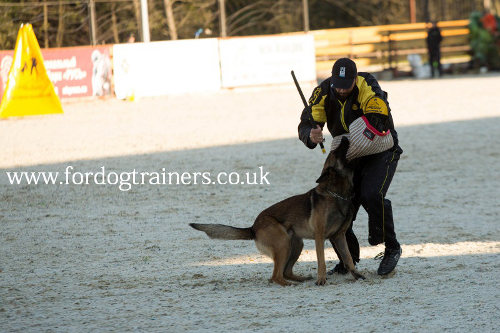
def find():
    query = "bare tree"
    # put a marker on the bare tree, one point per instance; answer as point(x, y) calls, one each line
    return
point(60, 25)
point(169, 12)
point(114, 25)
point(137, 11)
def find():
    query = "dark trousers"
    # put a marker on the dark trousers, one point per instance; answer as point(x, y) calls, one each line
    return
point(435, 62)
point(372, 177)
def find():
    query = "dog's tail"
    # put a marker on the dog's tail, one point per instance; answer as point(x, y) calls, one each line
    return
point(220, 231)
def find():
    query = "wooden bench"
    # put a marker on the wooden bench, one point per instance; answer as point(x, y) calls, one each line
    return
point(388, 45)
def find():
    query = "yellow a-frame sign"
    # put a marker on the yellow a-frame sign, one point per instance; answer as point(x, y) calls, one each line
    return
point(29, 90)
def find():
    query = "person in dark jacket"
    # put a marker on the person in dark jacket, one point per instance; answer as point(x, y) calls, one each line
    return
point(434, 39)
point(352, 104)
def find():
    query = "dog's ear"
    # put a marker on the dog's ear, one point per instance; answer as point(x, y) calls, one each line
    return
point(341, 150)
point(341, 153)
point(324, 174)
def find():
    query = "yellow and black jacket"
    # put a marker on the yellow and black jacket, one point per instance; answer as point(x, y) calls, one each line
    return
point(366, 99)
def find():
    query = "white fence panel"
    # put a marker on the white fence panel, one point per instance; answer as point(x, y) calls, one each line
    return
point(248, 61)
point(162, 68)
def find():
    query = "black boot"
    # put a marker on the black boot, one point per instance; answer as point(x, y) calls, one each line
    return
point(339, 269)
point(390, 260)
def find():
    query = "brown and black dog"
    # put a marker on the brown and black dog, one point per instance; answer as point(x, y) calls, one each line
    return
point(325, 212)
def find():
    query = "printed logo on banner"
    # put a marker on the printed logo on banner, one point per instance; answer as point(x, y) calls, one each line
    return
point(75, 71)
point(78, 72)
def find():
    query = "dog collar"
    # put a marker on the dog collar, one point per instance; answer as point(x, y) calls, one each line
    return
point(336, 195)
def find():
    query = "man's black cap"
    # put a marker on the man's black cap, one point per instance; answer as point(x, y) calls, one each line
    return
point(344, 72)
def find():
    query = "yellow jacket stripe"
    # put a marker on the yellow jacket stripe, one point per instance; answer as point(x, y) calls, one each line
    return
point(365, 92)
point(318, 111)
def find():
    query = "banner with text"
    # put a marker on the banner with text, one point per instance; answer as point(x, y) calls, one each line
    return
point(163, 68)
point(74, 71)
point(249, 61)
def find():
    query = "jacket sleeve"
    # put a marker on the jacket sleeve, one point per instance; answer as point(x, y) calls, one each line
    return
point(373, 102)
point(368, 88)
point(316, 103)
point(305, 129)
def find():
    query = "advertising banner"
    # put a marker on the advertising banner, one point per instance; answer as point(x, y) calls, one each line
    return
point(74, 71)
point(248, 61)
point(163, 68)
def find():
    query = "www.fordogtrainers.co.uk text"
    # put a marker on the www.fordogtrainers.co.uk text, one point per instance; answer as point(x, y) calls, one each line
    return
point(126, 179)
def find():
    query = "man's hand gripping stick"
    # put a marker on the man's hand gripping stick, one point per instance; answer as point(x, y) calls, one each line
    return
point(308, 107)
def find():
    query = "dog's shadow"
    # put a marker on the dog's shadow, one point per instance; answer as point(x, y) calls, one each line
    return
point(229, 276)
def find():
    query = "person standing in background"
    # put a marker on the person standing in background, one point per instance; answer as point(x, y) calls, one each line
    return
point(434, 39)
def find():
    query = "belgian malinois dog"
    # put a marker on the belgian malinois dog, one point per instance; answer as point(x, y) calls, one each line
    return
point(325, 212)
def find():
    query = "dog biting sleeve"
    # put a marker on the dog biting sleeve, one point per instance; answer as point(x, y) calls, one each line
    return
point(364, 139)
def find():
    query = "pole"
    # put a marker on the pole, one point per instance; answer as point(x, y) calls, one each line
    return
point(145, 21)
point(93, 40)
point(222, 9)
point(45, 25)
point(413, 12)
point(305, 6)
point(487, 5)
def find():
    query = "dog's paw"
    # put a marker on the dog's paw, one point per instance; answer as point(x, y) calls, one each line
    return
point(358, 275)
point(321, 281)
point(281, 282)
point(298, 278)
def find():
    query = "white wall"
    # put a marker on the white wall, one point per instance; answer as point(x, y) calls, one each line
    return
point(247, 61)
point(162, 68)
point(204, 65)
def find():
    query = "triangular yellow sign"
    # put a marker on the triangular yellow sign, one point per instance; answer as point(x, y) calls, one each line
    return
point(29, 90)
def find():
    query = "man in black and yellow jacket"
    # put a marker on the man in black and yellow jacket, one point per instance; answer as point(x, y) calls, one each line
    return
point(352, 104)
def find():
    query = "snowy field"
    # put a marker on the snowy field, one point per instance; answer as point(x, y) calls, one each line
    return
point(81, 258)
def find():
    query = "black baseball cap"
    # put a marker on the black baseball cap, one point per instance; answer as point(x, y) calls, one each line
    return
point(344, 73)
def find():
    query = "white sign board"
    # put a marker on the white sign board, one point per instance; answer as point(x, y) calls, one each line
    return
point(163, 68)
point(248, 61)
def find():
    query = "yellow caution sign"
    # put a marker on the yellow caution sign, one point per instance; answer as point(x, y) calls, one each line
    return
point(29, 90)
